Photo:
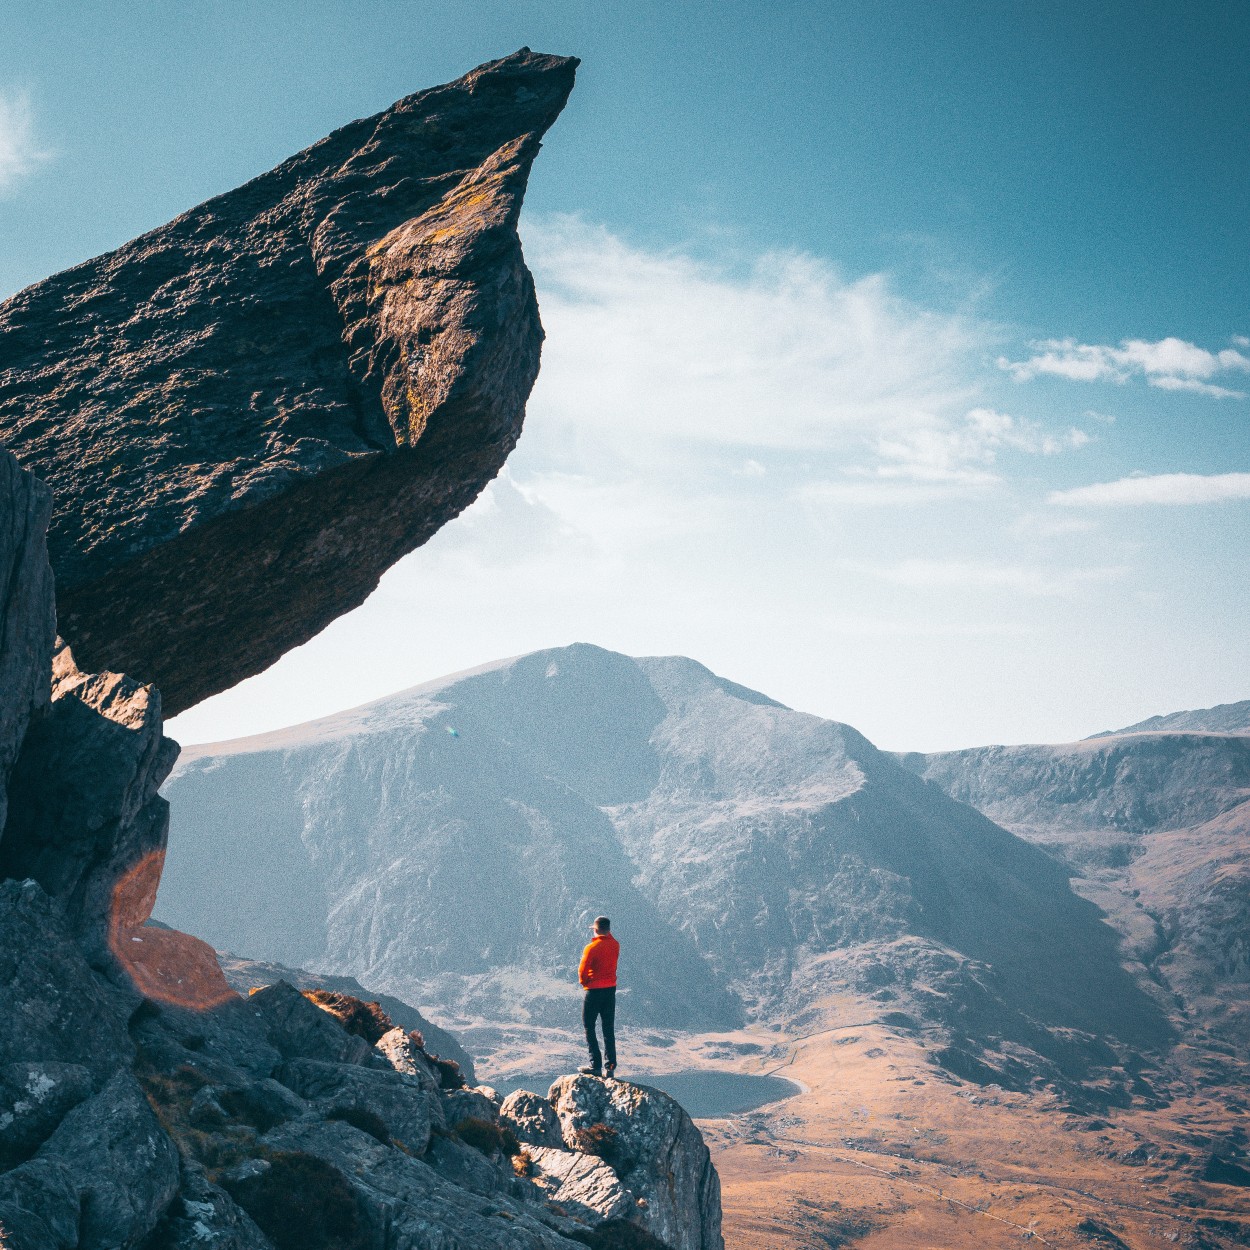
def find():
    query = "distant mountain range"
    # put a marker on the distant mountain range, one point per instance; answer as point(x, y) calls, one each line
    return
point(1227, 718)
point(450, 844)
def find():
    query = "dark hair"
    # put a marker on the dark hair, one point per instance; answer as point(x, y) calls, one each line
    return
point(603, 924)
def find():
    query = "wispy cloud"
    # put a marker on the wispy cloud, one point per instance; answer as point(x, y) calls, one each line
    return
point(1163, 488)
point(20, 151)
point(773, 354)
point(1171, 364)
point(1022, 579)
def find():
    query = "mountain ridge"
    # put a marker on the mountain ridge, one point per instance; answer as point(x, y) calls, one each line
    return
point(1232, 718)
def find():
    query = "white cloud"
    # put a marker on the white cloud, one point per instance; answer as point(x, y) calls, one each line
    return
point(1199, 388)
point(1170, 364)
point(1164, 488)
point(921, 574)
point(20, 152)
point(658, 355)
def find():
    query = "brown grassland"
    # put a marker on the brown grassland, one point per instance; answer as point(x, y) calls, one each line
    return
point(884, 1151)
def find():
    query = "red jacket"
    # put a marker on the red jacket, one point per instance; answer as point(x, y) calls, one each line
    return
point(597, 971)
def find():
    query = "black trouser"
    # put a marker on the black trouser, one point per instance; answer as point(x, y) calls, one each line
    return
point(600, 1005)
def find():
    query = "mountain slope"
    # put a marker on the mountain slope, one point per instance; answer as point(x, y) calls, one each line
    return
point(1156, 828)
point(450, 843)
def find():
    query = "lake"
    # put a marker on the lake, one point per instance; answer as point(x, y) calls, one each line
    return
point(705, 1095)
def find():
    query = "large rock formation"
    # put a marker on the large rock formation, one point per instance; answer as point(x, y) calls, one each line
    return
point(144, 1104)
point(248, 414)
point(244, 975)
point(27, 612)
point(85, 813)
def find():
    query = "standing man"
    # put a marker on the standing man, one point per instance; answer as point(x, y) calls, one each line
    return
point(597, 974)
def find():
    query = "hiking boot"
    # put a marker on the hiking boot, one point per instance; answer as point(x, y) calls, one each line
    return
point(610, 1071)
point(590, 1070)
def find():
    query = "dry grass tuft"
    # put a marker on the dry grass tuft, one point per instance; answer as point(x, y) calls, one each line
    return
point(487, 1137)
point(449, 1074)
point(366, 1020)
point(601, 1140)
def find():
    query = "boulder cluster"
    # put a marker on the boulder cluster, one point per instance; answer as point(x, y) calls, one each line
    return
point(272, 1122)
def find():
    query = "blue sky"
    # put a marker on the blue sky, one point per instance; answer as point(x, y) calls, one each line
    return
point(896, 358)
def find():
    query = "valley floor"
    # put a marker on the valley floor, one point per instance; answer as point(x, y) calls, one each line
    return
point(884, 1151)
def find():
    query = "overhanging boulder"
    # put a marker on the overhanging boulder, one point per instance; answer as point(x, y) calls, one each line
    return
point(248, 414)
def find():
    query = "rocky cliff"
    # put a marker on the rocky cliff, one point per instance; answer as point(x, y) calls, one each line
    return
point(143, 1103)
point(200, 409)
point(250, 413)
point(754, 860)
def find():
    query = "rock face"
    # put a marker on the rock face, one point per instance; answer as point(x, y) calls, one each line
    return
point(56, 1009)
point(125, 1168)
point(353, 331)
point(656, 1151)
point(95, 840)
point(532, 1119)
point(248, 414)
point(27, 612)
point(1155, 828)
point(754, 860)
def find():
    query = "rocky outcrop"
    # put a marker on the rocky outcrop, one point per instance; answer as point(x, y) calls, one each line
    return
point(124, 1166)
point(531, 1119)
point(84, 1163)
point(27, 613)
point(95, 839)
point(246, 1123)
point(34, 1099)
point(248, 414)
point(299, 1030)
point(375, 305)
point(56, 1009)
point(582, 1185)
point(654, 1148)
point(245, 975)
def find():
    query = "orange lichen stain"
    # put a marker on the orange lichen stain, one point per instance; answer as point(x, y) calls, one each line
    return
point(164, 965)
